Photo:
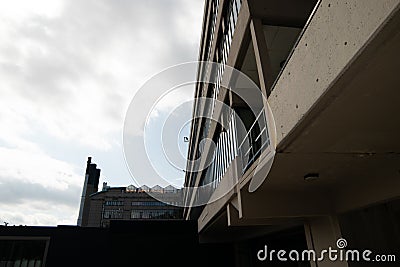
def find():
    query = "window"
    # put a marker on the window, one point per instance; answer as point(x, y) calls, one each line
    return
point(147, 203)
point(22, 252)
point(113, 203)
point(113, 214)
point(154, 214)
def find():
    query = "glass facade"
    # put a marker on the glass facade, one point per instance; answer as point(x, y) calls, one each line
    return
point(229, 142)
point(226, 141)
point(230, 18)
point(212, 24)
point(221, 54)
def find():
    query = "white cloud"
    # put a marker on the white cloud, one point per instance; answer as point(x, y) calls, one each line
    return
point(175, 98)
point(38, 213)
point(68, 70)
point(37, 167)
point(23, 8)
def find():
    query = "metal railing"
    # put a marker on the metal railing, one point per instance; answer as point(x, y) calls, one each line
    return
point(255, 140)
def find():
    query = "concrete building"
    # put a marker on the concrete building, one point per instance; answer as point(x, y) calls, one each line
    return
point(98, 208)
point(329, 70)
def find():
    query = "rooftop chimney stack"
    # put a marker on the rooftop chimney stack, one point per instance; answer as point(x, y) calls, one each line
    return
point(90, 186)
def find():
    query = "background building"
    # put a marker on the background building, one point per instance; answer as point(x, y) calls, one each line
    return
point(330, 72)
point(98, 208)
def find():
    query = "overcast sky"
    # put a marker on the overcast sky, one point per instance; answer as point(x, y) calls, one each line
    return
point(68, 71)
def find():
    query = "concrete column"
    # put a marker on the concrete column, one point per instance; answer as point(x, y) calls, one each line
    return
point(322, 233)
point(261, 54)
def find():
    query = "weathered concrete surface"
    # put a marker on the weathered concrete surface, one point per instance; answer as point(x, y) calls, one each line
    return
point(338, 31)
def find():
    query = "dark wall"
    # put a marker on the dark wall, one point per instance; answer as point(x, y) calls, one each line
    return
point(153, 243)
point(125, 243)
point(75, 246)
point(376, 228)
point(290, 239)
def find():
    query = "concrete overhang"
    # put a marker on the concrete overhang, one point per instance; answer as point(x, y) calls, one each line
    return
point(337, 117)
